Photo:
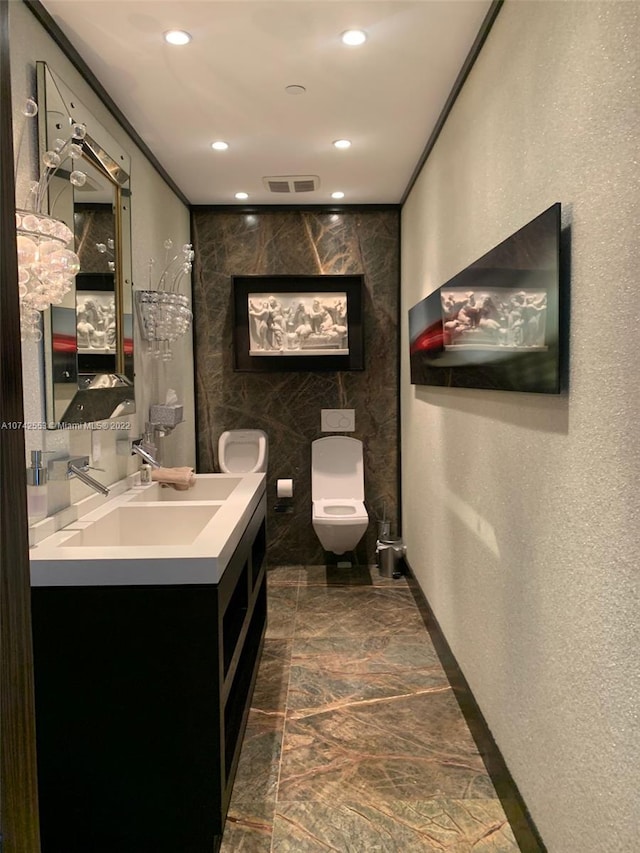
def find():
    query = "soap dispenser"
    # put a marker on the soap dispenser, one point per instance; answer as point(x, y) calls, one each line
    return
point(36, 488)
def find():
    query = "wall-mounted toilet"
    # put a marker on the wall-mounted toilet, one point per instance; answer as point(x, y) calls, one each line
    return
point(339, 516)
point(243, 451)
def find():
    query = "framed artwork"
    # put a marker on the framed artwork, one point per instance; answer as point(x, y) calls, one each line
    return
point(287, 322)
point(496, 324)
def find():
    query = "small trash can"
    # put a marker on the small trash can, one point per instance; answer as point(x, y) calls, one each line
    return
point(389, 553)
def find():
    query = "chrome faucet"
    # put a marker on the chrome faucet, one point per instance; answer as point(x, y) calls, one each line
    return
point(76, 466)
point(136, 447)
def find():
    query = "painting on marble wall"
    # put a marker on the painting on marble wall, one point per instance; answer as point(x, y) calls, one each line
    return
point(495, 325)
point(310, 322)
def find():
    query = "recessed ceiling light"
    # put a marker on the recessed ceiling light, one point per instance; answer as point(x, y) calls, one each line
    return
point(342, 143)
point(219, 145)
point(242, 196)
point(337, 195)
point(177, 37)
point(354, 37)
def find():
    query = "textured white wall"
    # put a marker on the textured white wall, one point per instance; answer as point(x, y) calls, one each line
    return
point(156, 214)
point(521, 512)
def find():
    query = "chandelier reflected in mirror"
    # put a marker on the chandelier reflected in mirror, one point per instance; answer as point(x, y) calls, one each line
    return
point(108, 249)
point(163, 313)
point(46, 266)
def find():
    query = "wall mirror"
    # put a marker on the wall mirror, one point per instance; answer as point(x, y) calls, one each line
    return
point(88, 338)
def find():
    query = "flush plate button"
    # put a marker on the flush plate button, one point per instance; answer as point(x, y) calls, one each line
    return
point(337, 420)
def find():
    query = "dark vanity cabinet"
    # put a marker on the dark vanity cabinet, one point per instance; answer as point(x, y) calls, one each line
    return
point(142, 696)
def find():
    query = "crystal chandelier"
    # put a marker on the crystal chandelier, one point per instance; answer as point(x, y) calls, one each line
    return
point(163, 313)
point(46, 267)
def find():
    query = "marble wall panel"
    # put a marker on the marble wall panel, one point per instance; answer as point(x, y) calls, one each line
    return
point(93, 224)
point(287, 404)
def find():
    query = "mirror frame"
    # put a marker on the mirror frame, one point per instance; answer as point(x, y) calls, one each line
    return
point(105, 394)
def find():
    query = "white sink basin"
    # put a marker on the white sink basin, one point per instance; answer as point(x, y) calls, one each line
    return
point(152, 536)
point(142, 525)
point(205, 489)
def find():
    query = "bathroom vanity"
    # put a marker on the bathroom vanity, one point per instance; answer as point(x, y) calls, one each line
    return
point(145, 664)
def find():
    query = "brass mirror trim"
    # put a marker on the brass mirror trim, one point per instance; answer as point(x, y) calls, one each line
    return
point(119, 284)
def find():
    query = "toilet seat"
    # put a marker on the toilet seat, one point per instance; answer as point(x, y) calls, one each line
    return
point(339, 511)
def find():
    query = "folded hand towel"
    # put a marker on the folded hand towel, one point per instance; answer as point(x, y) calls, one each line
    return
point(180, 478)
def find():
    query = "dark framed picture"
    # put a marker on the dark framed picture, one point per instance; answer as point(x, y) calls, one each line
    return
point(496, 324)
point(297, 322)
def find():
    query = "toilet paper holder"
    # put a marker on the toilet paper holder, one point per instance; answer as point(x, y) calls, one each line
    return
point(284, 488)
point(284, 495)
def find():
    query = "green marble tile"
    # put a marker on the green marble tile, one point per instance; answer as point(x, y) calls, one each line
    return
point(357, 611)
point(254, 789)
point(355, 741)
point(329, 673)
point(246, 834)
point(395, 747)
point(454, 826)
point(270, 692)
point(281, 611)
point(333, 575)
point(287, 575)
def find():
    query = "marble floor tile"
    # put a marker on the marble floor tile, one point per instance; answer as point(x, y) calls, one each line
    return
point(246, 834)
point(444, 825)
point(334, 575)
point(254, 790)
point(356, 611)
point(413, 746)
point(288, 575)
point(250, 817)
point(281, 611)
point(355, 740)
point(354, 576)
point(270, 692)
point(328, 673)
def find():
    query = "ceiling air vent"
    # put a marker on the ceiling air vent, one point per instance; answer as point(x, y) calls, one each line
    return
point(292, 183)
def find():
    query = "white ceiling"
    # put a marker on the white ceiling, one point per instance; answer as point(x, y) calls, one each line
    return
point(229, 83)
